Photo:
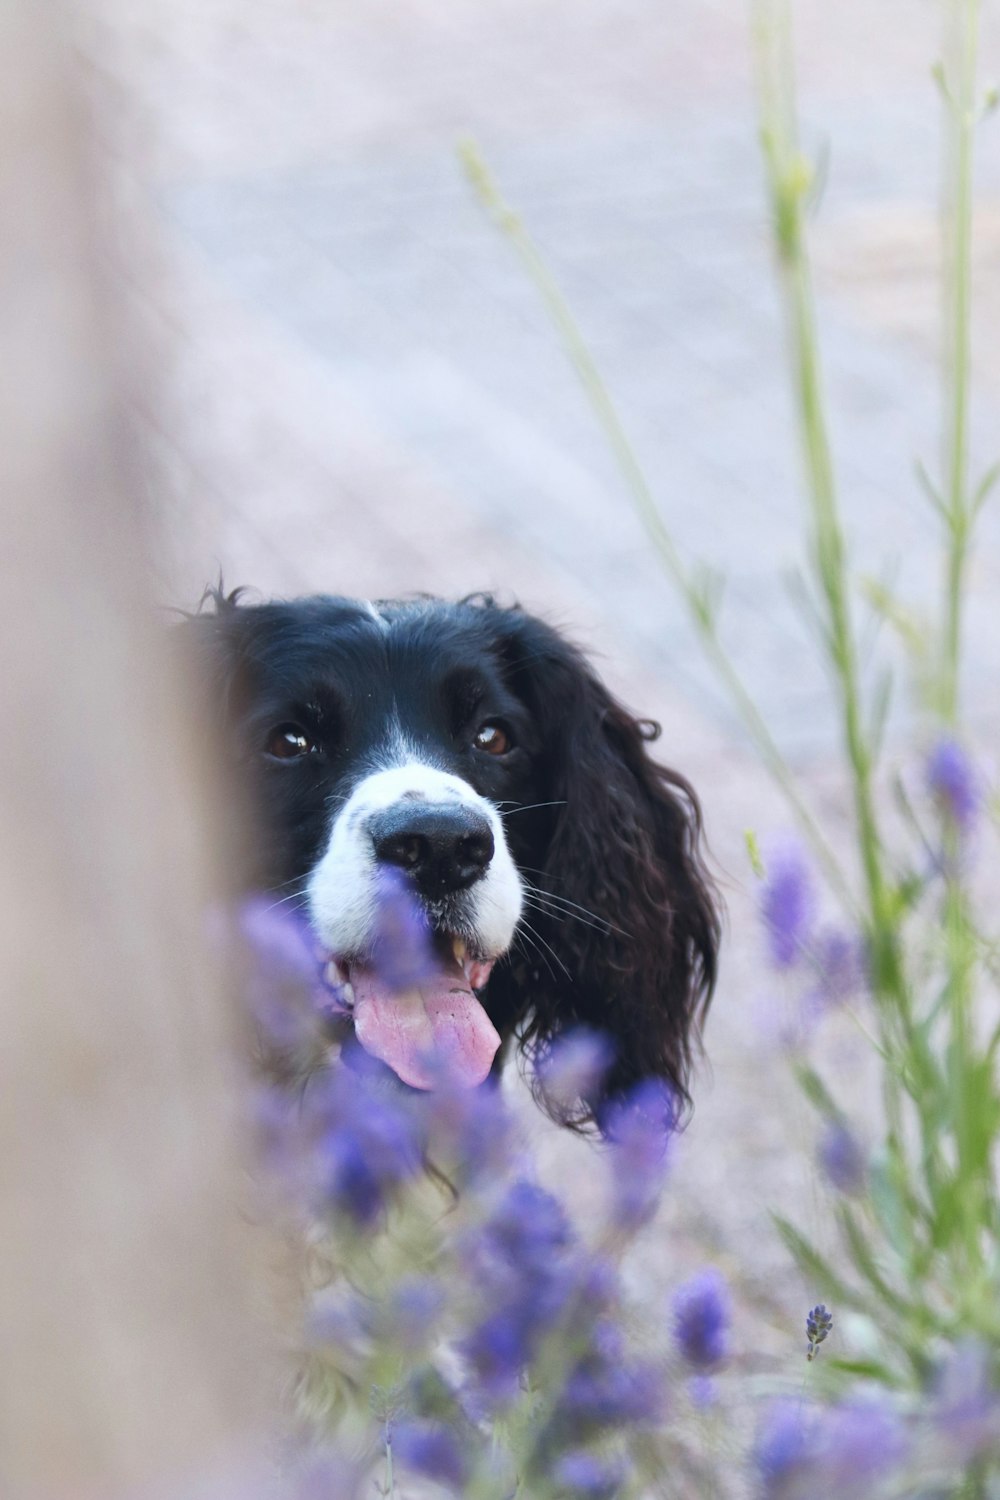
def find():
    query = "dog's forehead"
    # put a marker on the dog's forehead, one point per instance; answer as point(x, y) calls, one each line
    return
point(372, 652)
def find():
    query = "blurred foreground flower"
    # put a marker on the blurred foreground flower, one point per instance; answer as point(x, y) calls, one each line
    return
point(639, 1129)
point(840, 1453)
point(430, 1449)
point(954, 783)
point(572, 1069)
point(965, 1403)
point(702, 1315)
point(403, 954)
point(784, 1449)
point(841, 1158)
point(445, 1273)
point(787, 902)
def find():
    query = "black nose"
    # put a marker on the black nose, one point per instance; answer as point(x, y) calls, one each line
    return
point(441, 847)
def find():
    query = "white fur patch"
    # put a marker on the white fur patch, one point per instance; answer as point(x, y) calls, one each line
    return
point(342, 888)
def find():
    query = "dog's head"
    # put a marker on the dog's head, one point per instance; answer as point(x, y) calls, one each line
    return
point(470, 754)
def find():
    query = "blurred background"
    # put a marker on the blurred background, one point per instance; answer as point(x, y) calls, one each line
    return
point(360, 390)
point(341, 381)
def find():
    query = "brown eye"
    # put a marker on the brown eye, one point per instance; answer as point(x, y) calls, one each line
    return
point(492, 739)
point(289, 742)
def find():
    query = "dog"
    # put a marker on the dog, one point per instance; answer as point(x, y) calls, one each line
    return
point(470, 752)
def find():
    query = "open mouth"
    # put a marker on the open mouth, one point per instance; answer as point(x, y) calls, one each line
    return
point(427, 1026)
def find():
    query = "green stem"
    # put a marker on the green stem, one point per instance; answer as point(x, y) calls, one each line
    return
point(646, 507)
point(790, 181)
point(390, 1482)
point(957, 77)
point(959, 86)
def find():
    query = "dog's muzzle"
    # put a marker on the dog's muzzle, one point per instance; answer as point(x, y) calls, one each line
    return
point(415, 898)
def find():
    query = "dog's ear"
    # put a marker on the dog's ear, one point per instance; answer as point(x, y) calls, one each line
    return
point(633, 924)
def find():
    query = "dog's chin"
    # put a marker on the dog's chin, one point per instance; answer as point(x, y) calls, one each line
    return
point(429, 1027)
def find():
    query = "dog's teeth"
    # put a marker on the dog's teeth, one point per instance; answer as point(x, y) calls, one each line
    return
point(347, 991)
point(333, 973)
point(459, 949)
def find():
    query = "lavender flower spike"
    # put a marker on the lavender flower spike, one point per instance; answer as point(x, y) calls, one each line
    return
point(842, 1159)
point(818, 1325)
point(701, 1320)
point(403, 954)
point(787, 902)
point(954, 784)
point(431, 1449)
point(785, 1450)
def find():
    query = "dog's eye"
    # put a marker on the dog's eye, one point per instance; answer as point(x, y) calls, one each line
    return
point(288, 742)
point(493, 739)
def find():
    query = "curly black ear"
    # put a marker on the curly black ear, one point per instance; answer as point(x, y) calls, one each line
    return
point(624, 855)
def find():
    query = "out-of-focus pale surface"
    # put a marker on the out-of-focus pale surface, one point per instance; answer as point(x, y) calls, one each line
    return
point(131, 1364)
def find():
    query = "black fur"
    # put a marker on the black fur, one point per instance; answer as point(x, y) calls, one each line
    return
point(628, 943)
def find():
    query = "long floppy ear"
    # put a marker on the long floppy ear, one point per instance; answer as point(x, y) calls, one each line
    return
point(634, 920)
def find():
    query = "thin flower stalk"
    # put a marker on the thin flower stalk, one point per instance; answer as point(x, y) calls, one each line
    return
point(958, 86)
point(790, 181)
point(698, 594)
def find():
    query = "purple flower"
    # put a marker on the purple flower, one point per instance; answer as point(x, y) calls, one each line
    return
point(524, 1239)
point(703, 1392)
point(785, 1450)
point(584, 1474)
point(432, 1450)
point(607, 1390)
point(639, 1128)
point(860, 1441)
point(839, 959)
point(521, 1266)
point(787, 902)
point(472, 1134)
point(954, 784)
point(837, 1454)
point(602, 1395)
point(403, 954)
point(571, 1071)
point(413, 1311)
point(366, 1141)
point(966, 1405)
point(279, 937)
point(818, 1325)
point(499, 1348)
point(842, 1159)
point(702, 1316)
point(283, 977)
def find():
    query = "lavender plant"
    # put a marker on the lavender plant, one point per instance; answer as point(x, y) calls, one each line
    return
point(917, 1270)
point(459, 1329)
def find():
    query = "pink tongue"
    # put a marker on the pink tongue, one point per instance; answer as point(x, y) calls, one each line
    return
point(422, 1034)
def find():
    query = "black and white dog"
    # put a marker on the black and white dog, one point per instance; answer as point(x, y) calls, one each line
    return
point(471, 750)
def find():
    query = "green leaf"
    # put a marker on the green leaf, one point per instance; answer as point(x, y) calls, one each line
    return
point(880, 712)
point(907, 625)
point(932, 492)
point(889, 1200)
point(865, 1262)
point(753, 854)
point(983, 488)
point(867, 1369)
point(816, 1091)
